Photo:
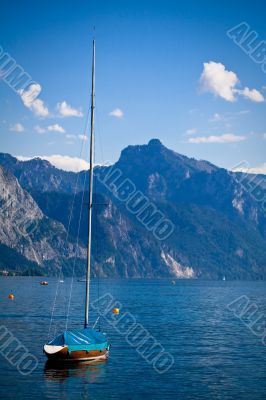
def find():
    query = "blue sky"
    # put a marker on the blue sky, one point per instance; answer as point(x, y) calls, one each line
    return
point(165, 69)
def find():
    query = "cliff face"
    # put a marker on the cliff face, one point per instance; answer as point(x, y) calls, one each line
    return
point(27, 231)
point(218, 225)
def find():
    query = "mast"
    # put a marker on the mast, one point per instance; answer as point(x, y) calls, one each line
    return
point(87, 300)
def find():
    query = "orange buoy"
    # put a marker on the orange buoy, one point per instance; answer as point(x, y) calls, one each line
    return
point(115, 311)
point(11, 296)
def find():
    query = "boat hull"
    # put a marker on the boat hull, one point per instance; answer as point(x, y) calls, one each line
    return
point(76, 356)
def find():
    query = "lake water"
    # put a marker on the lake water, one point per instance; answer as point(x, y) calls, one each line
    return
point(216, 356)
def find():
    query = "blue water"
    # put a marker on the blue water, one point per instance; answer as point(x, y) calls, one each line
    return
point(215, 355)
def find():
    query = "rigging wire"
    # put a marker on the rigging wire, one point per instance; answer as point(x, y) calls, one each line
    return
point(98, 272)
point(69, 224)
point(99, 135)
point(78, 231)
point(74, 264)
point(97, 260)
point(79, 224)
point(77, 245)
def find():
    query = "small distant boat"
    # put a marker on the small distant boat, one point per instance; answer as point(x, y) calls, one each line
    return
point(84, 344)
point(44, 283)
point(224, 278)
point(173, 282)
point(61, 281)
point(82, 280)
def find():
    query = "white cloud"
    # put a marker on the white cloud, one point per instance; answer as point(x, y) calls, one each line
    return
point(253, 95)
point(226, 138)
point(117, 112)
point(264, 136)
point(39, 129)
point(66, 163)
point(191, 131)
point(242, 112)
point(216, 117)
point(69, 136)
point(24, 158)
point(259, 170)
point(252, 170)
point(217, 80)
point(39, 108)
point(17, 127)
point(82, 137)
point(56, 128)
point(65, 110)
point(30, 100)
point(222, 83)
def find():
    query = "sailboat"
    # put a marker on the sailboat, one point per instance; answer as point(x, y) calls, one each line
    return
point(85, 344)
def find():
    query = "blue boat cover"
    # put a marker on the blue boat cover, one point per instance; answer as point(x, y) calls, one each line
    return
point(81, 339)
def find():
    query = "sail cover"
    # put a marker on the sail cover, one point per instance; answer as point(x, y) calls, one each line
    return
point(81, 339)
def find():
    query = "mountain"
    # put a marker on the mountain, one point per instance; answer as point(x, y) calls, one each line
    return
point(29, 240)
point(40, 174)
point(157, 213)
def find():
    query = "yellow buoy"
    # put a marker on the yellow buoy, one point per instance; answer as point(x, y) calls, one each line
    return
point(115, 311)
point(11, 296)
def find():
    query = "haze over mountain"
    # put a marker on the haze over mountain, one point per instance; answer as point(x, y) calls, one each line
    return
point(219, 228)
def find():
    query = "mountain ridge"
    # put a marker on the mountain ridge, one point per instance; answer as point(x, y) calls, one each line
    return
point(219, 228)
point(26, 230)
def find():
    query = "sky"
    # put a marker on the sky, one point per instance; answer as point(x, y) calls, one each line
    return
point(179, 71)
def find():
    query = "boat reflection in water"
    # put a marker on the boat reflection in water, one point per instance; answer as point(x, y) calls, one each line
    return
point(87, 372)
